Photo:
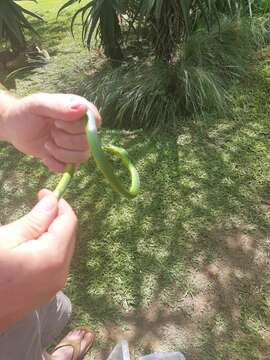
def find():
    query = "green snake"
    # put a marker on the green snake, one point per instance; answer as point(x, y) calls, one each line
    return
point(102, 163)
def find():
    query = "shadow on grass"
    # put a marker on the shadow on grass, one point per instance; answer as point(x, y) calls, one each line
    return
point(184, 267)
point(50, 36)
point(177, 268)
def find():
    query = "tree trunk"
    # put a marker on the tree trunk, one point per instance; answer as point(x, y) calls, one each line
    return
point(110, 35)
point(167, 30)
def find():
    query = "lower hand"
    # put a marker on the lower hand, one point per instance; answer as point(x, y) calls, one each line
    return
point(35, 255)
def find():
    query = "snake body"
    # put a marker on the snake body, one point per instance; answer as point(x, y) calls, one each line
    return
point(102, 163)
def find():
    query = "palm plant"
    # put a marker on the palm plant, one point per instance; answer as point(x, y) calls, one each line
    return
point(13, 24)
point(100, 17)
point(196, 48)
point(172, 21)
point(167, 22)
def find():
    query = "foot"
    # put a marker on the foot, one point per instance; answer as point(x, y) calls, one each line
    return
point(84, 340)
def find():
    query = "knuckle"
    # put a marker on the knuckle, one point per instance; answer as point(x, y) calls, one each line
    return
point(33, 225)
point(36, 98)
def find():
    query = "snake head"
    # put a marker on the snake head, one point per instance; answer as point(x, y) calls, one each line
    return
point(120, 153)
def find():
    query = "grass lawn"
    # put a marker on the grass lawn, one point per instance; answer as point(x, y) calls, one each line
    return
point(185, 266)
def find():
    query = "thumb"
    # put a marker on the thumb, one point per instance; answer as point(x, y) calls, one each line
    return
point(38, 220)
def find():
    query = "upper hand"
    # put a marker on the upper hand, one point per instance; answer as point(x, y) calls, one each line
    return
point(50, 127)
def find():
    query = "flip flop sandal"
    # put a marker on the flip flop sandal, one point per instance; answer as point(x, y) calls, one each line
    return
point(76, 344)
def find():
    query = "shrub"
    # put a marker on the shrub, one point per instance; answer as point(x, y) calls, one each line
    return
point(155, 94)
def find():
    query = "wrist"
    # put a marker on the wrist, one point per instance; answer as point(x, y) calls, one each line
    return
point(6, 102)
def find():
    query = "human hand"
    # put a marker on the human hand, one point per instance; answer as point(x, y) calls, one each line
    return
point(35, 255)
point(50, 127)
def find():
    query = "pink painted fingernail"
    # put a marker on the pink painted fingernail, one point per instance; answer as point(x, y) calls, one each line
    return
point(76, 106)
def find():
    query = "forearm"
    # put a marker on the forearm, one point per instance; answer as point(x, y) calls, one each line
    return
point(6, 101)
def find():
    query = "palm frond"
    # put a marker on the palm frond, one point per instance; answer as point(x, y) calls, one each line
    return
point(99, 17)
point(13, 22)
point(155, 94)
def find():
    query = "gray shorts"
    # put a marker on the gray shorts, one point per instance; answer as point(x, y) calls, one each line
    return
point(28, 339)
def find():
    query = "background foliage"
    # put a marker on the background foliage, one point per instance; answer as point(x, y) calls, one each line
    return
point(190, 52)
point(174, 58)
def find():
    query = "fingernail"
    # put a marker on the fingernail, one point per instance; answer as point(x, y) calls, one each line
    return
point(47, 146)
point(77, 107)
point(46, 204)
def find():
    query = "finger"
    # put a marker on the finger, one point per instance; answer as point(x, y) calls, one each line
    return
point(64, 227)
point(64, 209)
point(53, 164)
point(35, 223)
point(64, 155)
point(65, 107)
point(70, 142)
point(59, 241)
point(43, 192)
point(74, 127)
